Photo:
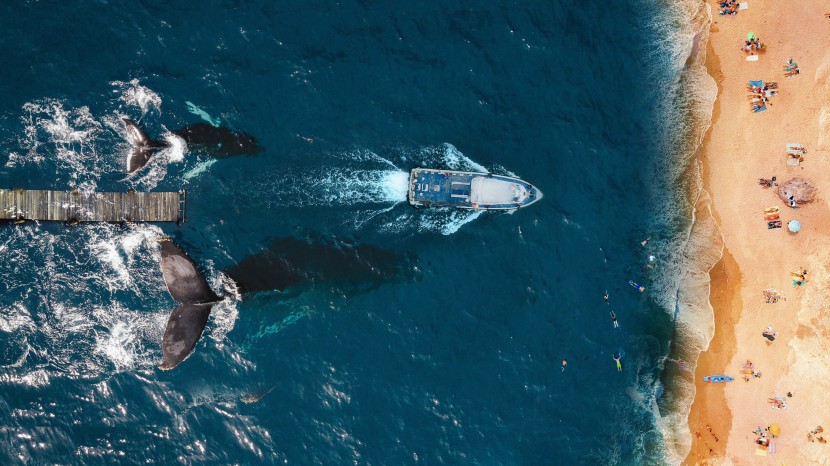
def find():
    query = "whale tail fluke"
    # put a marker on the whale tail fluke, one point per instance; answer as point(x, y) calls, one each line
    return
point(184, 329)
point(143, 146)
point(188, 286)
point(135, 134)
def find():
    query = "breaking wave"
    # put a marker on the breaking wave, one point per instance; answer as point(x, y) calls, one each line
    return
point(689, 242)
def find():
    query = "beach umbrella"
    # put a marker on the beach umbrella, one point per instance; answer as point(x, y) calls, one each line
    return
point(774, 429)
point(794, 226)
point(751, 36)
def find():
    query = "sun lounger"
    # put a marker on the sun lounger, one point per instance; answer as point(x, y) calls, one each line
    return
point(778, 403)
point(773, 224)
point(796, 148)
point(752, 58)
point(743, 6)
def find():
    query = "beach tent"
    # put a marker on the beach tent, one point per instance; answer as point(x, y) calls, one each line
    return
point(774, 429)
point(794, 226)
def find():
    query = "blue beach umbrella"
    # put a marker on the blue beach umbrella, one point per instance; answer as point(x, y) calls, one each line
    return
point(794, 226)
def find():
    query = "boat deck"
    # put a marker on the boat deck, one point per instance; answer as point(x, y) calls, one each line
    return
point(68, 206)
point(440, 187)
point(469, 190)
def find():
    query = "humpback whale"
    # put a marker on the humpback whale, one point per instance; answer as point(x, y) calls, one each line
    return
point(287, 263)
point(187, 285)
point(219, 142)
point(143, 146)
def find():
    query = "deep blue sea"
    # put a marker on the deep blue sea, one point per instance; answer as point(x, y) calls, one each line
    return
point(451, 353)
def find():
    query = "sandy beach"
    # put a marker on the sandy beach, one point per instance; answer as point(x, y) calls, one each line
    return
point(741, 147)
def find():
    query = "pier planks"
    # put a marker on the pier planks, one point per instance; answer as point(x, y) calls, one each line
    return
point(92, 207)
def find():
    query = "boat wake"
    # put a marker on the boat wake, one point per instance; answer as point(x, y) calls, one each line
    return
point(368, 189)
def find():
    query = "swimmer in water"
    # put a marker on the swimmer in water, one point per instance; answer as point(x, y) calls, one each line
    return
point(619, 364)
point(605, 297)
point(644, 242)
point(564, 364)
point(614, 320)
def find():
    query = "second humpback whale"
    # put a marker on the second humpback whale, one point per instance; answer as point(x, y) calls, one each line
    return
point(220, 142)
point(187, 285)
point(288, 263)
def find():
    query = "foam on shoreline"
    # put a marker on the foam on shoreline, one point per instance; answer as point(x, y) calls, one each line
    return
point(692, 244)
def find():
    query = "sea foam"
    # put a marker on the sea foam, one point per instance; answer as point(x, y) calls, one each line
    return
point(683, 259)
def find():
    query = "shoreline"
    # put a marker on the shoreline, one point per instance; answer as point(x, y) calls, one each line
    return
point(709, 407)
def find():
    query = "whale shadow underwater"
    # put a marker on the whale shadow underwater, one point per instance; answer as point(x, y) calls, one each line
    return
point(220, 142)
point(288, 264)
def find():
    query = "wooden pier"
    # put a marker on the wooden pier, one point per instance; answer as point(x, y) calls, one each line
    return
point(75, 206)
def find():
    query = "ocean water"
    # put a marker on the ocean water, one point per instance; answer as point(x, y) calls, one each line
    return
point(455, 357)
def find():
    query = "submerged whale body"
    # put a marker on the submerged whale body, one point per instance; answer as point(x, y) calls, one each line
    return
point(288, 263)
point(219, 142)
point(292, 263)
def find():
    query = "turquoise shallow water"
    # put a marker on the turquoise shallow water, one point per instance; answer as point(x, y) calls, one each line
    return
point(455, 357)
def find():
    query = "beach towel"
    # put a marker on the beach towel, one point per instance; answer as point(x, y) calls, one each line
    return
point(752, 58)
point(759, 109)
point(759, 83)
point(793, 161)
point(771, 210)
point(773, 224)
point(743, 6)
point(770, 92)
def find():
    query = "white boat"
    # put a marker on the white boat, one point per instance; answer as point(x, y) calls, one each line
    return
point(469, 190)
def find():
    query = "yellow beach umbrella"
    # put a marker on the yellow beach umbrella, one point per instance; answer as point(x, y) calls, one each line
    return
point(774, 429)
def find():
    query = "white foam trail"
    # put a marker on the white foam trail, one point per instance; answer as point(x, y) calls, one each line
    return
point(71, 136)
point(200, 168)
point(133, 94)
point(225, 312)
point(395, 185)
point(336, 187)
point(455, 160)
point(192, 108)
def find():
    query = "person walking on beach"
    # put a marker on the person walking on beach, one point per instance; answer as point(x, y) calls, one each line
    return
point(614, 320)
point(619, 364)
